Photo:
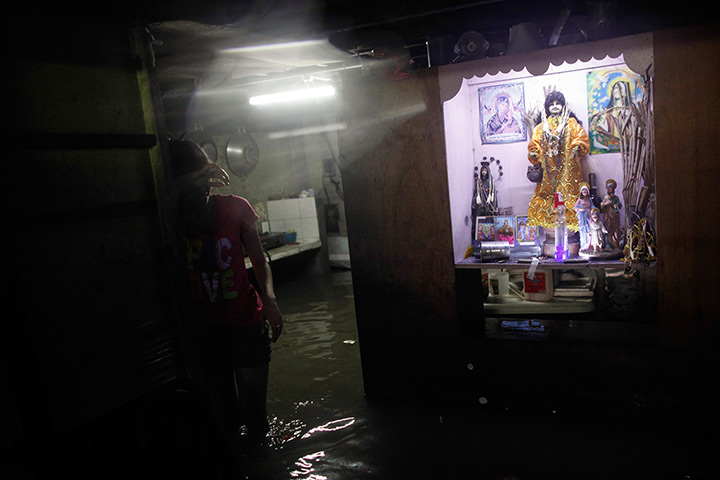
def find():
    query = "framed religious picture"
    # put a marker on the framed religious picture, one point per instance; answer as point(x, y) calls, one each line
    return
point(485, 229)
point(526, 234)
point(610, 92)
point(505, 229)
point(501, 109)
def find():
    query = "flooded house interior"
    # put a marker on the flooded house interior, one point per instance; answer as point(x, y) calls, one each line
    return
point(434, 325)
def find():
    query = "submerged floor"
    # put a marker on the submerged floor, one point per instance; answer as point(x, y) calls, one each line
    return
point(324, 428)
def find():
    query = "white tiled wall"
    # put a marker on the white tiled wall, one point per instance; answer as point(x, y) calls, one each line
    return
point(298, 214)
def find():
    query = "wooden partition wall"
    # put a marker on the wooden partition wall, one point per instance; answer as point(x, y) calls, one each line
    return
point(397, 206)
point(687, 146)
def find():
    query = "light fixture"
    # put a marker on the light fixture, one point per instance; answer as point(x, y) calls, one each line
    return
point(277, 46)
point(294, 95)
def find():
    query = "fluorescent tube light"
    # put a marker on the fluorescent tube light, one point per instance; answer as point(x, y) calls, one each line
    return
point(293, 96)
point(277, 46)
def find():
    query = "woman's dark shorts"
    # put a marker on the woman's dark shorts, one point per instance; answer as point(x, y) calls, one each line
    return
point(222, 348)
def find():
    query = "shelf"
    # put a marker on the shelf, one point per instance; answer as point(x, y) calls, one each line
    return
point(571, 331)
point(556, 305)
point(515, 264)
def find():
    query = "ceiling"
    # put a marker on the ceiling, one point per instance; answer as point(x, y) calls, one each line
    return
point(192, 36)
point(217, 45)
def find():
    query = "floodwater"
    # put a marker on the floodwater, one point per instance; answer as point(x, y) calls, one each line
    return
point(315, 394)
point(323, 427)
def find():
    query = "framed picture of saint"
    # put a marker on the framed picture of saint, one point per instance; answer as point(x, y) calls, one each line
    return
point(526, 234)
point(485, 229)
point(501, 108)
point(505, 229)
point(610, 93)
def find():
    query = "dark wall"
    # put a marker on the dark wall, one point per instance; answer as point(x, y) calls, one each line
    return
point(86, 263)
point(398, 215)
point(687, 150)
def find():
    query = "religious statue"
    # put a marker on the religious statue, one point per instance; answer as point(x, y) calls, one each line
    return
point(597, 231)
point(583, 206)
point(484, 199)
point(610, 206)
point(484, 194)
point(558, 143)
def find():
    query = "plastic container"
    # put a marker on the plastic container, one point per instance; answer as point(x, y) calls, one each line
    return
point(503, 279)
point(538, 283)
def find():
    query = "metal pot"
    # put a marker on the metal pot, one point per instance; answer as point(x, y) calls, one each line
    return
point(242, 153)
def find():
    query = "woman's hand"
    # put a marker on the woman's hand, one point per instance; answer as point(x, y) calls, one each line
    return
point(272, 314)
point(211, 175)
point(216, 176)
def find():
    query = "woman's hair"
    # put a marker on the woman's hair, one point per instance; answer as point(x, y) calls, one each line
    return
point(186, 157)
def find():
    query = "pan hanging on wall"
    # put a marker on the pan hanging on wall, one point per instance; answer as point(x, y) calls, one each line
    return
point(203, 140)
point(242, 153)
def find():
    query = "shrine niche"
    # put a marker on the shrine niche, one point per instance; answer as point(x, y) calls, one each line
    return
point(594, 151)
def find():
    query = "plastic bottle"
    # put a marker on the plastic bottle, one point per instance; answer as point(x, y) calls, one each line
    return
point(561, 235)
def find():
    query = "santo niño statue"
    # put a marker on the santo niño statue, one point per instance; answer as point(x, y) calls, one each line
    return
point(558, 144)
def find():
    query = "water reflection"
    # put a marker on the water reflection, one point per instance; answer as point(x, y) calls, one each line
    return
point(284, 431)
point(331, 426)
point(306, 467)
point(308, 464)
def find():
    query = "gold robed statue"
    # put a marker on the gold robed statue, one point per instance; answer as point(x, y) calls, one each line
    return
point(558, 144)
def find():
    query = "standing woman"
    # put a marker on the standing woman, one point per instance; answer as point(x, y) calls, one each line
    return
point(231, 317)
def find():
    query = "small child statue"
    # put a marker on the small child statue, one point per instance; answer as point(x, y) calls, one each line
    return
point(597, 231)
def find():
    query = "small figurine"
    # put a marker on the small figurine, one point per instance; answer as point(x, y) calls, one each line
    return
point(484, 200)
point(610, 206)
point(597, 231)
point(583, 206)
point(485, 195)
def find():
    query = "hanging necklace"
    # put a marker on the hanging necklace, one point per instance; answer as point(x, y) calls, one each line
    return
point(553, 143)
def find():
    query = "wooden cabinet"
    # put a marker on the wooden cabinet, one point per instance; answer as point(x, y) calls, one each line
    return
point(419, 310)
